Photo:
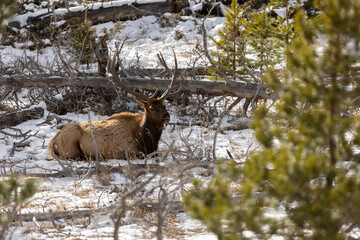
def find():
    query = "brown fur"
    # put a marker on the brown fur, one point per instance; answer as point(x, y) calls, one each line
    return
point(135, 135)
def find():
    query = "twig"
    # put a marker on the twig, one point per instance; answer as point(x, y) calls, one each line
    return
point(122, 206)
point(97, 164)
point(38, 225)
point(226, 110)
point(218, 130)
point(66, 170)
point(162, 212)
point(149, 168)
point(18, 144)
point(254, 98)
point(5, 95)
point(15, 135)
point(218, 69)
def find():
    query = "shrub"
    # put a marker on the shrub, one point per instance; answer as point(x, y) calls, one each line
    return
point(305, 181)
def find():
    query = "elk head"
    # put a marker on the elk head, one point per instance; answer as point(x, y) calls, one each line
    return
point(152, 105)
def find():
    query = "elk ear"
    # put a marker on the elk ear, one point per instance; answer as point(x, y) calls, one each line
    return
point(142, 103)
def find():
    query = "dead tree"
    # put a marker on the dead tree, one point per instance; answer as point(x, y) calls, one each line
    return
point(101, 53)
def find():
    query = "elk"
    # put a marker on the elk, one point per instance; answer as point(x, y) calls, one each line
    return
point(119, 136)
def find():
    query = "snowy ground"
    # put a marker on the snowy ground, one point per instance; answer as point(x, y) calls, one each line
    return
point(75, 193)
point(145, 38)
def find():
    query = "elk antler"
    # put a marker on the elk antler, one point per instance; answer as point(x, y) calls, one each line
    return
point(167, 70)
point(119, 81)
point(142, 96)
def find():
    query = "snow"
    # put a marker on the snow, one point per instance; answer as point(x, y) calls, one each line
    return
point(197, 7)
point(73, 192)
point(281, 12)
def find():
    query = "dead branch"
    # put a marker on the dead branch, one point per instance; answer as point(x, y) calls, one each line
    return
point(5, 95)
point(121, 208)
point(15, 118)
point(176, 207)
point(136, 169)
point(22, 143)
point(219, 124)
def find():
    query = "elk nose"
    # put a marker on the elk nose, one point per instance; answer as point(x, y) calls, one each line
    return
point(167, 116)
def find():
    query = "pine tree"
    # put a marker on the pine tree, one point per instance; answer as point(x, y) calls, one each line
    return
point(286, 26)
point(231, 44)
point(81, 42)
point(7, 8)
point(304, 183)
point(264, 40)
point(255, 40)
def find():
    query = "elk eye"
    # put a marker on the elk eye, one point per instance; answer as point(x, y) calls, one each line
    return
point(151, 109)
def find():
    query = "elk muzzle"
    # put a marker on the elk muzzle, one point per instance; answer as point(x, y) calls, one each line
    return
point(166, 118)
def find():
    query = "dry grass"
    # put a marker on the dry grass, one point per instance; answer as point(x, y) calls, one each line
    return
point(88, 204)
point(141, 213)
point(28, 230)
point(83, 192)
point(61, 206)
point(172, 228)
point(82, 222)
point(104, 176)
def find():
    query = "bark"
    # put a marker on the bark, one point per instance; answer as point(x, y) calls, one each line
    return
point(15, 118)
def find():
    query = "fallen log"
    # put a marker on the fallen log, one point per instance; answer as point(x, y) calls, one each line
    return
point(136, 169)
point(175, 207)
point(15, 118)
point(71, 214)
point(212, 88)
point(193, 71)
point(96, 13)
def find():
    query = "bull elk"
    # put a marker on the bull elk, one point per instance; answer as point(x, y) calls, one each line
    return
point(122, 135)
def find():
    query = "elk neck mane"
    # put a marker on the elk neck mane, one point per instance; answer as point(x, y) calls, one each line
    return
point(149, 133)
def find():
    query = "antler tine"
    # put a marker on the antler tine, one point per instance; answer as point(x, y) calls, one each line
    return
point(154, 94)
point(120, 82)
point(162, 61)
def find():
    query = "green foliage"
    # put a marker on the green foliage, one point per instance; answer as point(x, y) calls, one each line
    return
point(307, 171)
point(14, 192)
point(285, 27)
point(214, 205)
point(81, 42)
point(263, 34)
point(231, 44)
point(7, 9)
point(255, 41)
